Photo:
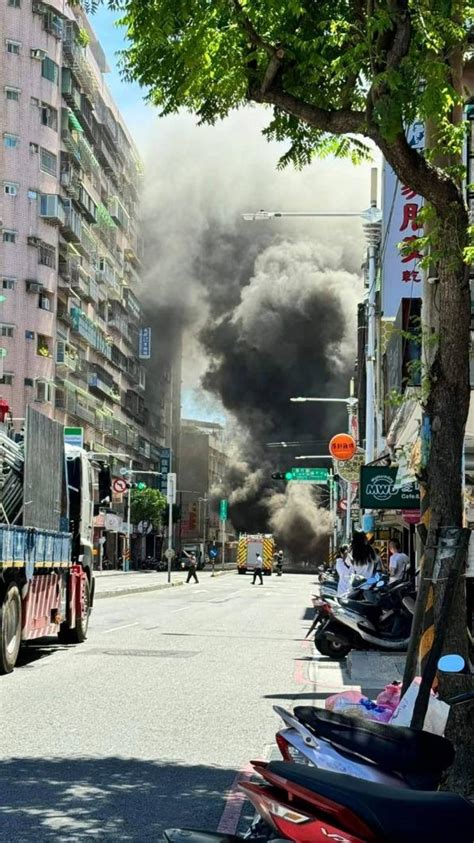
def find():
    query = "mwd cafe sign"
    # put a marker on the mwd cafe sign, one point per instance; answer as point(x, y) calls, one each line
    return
point(379, 490)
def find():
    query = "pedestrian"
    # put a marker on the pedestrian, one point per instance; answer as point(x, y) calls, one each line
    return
point(257, 571)
point(344, 571)
point(398, 563)
point(192, 567)
point(362, 556)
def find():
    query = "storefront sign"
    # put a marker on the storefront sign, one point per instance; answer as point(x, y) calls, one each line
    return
point(342, 446)
point(401, 272)
point(144, 344)
point(113, 522)
point(350, 469)
point(165, 460)
point(378, 490)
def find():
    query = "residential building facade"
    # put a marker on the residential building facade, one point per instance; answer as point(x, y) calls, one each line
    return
point(71, 251)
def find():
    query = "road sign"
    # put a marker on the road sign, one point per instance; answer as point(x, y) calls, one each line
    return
point(170, 554)
point(308, 475)
point(124, 471)
point(119, 486)
point(144, 344)
point(171, 487)
point(342, 446)
point(223, 510)
point(74, 436)
point(213, 552)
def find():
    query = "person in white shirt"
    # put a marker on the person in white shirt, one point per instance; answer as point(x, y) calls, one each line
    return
point(344, 571)
point(398, 562)
point(362, 556)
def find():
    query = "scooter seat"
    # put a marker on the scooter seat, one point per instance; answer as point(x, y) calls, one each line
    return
point(397, 748)
point(394, 815)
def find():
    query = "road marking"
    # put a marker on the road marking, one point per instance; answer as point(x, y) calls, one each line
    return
point(201, 591)
point(234, 803)
point(179, 610)
point(125, 626)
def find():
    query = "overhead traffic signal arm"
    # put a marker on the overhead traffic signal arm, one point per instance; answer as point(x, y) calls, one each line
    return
point(278, 475)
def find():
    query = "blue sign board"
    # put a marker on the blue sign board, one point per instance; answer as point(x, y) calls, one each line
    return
point(165, 459)
point(213, 552)
point(144, 344)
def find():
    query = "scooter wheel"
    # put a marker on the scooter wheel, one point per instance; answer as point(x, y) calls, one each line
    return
point(334, 648)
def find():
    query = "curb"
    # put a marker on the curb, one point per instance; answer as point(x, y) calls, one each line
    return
point(141, 589)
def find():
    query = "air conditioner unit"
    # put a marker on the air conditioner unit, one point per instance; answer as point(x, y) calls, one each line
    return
point(33, 240)
point(38, 54)
point(38, 8)
point(33, 286)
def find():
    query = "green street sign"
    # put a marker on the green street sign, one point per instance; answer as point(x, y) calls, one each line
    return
point(378, 489)
point(74, 436)
point(223, 510)
point(308, 475)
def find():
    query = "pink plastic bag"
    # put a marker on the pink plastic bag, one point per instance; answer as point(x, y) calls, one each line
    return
point(353, 704)
point(390, 696)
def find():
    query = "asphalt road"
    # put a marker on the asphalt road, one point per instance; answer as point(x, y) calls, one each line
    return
point(146, 725)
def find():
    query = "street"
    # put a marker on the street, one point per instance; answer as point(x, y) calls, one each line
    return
point(146, 725)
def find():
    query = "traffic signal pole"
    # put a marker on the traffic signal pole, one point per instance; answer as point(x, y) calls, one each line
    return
point(128, 553)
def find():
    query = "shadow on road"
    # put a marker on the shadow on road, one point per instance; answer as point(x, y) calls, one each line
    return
point(76, 799)
point(33, 651)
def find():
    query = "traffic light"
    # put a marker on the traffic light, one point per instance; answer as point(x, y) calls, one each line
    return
point(139, 486)
point(278, 475)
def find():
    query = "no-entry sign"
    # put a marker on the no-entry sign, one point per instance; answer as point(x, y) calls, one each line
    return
point(119, 486)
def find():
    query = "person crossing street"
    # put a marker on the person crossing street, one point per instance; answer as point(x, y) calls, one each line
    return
point(192, 567)
point(257, 571)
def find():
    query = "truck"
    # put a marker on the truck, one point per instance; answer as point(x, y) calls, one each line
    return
point(46, 518)
point(247, 548)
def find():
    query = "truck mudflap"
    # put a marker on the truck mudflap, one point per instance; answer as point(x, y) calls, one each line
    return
point(77, 579)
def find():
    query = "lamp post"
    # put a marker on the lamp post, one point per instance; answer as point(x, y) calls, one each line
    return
point(351, 403)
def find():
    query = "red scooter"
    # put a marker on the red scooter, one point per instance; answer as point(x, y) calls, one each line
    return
point(307, 805)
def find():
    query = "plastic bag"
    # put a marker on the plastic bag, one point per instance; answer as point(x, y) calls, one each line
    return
point(390, 696)
point(353, 704)
point(436, 715)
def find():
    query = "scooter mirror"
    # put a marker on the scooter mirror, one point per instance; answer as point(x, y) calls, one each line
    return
point(380, 584)
point(452, 663)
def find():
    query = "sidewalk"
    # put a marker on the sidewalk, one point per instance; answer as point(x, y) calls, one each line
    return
point(117, 583)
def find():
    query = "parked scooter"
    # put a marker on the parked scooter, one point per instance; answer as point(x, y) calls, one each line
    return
point(384, 625)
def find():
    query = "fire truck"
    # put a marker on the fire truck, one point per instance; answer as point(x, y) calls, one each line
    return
point(46, 516)
point(247, 549)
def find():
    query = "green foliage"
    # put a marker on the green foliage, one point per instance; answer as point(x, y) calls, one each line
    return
point(147, 505)
point(83, 38)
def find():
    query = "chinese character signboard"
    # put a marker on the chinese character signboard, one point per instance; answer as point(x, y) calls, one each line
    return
point(378, 490)
point(401, 272)
point(144, 344)
point(165, 459)
point(308, 475)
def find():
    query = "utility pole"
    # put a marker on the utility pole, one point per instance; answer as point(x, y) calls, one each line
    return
point(128, 552)
point(372, 229)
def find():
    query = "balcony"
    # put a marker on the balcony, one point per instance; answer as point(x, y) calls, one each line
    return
point(68, 270)
point(118, 325)
point(72, 225)
point(72, 135)
point(65, 317)
point(66, 356)
point(134, 405)
point(89, 331)
point(69, 90)
point(75, 57)
point(118, 213)
point(51, 209)
point(85, 286)
point(132, 304)
point(99, 385)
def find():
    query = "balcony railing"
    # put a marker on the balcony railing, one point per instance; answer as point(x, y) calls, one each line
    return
point(66, 356)
point(72, 225)
point(76, 57)
point(97, 383)
point(84, 326)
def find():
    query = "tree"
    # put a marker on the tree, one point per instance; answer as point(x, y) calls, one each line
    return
point(147, 505)
point(338, 74)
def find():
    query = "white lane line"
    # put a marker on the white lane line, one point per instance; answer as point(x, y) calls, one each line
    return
point(125, 626)
point(200, 591)
point(179, 610)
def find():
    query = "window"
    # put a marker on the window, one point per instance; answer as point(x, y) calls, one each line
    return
point(43, 392)
point(9, 236)
point(13, 46)
point(7, 379)
point(44, 302)
point(14, 3)
point(30, 335)
point(49, 70)
point(47, 255)
point(49, 116)
point(8, 283)
point(32, 194)
point(6, 330)
point(48, 162)
point(10, 188)
point(10, 141)
point(28, 381)
point(34, 147)
point(12, 93)
point(42, 347)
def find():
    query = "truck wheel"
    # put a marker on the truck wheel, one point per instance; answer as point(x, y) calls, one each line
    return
point(10, 629)
point(78, 634)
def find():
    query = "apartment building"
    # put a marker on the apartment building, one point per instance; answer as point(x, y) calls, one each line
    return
point(70, 246)
point(202, 467)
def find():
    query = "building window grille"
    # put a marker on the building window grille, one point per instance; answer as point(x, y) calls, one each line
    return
point(48, 162)
point(47, 255)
